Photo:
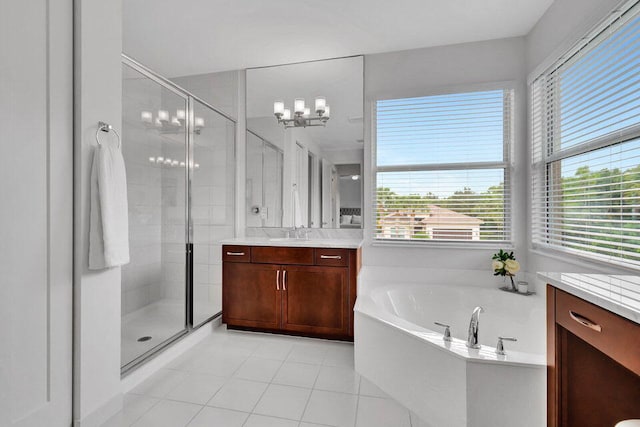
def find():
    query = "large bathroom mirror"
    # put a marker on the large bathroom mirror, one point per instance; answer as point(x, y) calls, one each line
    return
point(305, 144)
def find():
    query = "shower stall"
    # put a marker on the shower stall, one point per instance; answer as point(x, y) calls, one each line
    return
point(179, 155)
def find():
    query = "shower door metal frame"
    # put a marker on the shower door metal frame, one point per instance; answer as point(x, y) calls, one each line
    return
point(189, 161)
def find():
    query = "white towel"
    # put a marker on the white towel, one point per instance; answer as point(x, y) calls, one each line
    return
point(109, 222)
point(297, 212)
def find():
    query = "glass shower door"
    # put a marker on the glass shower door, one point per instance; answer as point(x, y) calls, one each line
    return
point(212, 205)
point(154, 141)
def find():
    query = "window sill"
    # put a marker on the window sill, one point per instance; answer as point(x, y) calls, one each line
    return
point(441, 245)
point(582, 261)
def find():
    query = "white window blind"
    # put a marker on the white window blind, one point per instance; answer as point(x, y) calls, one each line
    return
point(442, 167)
point(586, 146)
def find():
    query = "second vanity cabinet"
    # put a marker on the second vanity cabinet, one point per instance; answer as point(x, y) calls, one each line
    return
point(593, 355)
point(298, 290)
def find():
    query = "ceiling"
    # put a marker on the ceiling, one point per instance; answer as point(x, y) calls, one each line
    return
point(203, 36)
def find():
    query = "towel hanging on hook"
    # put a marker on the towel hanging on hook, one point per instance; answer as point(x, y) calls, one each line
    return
point(106, 127)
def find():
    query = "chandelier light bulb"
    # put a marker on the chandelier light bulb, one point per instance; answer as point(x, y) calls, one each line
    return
point(286, 115)
point(163, 115)
point(199, 122)
point(321, 103)
point(298, 106)
point(181, 114)
point(327, 112)
point(175, 121)
point(146, 117)
point(278, 108)
point(307, 112)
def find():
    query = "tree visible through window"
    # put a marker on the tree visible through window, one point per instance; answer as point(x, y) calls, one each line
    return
point(586, 147)
point(442, 167)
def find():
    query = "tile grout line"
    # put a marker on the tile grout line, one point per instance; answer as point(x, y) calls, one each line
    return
point(313, 386)
point(266, 388)
point(355, 419)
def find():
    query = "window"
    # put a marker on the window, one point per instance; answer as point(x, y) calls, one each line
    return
point(442, 167)
point(586, 147)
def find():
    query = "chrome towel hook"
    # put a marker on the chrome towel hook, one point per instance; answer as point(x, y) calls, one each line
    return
point(106, 127)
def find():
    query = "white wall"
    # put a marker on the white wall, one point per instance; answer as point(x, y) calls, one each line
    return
point(350, 193)
point(564, 24)
point(36, 206)
point(98, 93)
point(432, 70)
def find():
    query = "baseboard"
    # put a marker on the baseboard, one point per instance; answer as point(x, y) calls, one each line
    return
point(99, 416)
point(132, 379)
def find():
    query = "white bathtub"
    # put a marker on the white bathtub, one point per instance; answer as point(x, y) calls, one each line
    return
point(398, 348)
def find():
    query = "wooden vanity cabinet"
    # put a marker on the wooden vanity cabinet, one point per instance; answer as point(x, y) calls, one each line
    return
point(249, 295)
point(301, 291)
point(593, 364)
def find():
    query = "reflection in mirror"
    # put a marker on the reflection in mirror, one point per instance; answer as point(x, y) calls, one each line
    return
point(305, 137)
point(264, 183)
point(350, 191)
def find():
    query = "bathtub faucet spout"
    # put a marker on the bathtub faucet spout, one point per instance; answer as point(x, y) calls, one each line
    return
point(474, 325)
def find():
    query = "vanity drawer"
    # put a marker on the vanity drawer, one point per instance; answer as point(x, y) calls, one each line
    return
point(281, 255)
point(236, 253)
point(332, 257)
point(617, 337)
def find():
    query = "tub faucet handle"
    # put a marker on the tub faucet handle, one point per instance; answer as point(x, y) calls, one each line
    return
point(500, 345)
point(447, 331)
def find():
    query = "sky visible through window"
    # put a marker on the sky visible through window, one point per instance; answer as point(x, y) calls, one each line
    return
point(600, 95)
point(442, 129)
point(600, 91)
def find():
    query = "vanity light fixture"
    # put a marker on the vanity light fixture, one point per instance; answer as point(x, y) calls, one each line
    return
point(302, 114)
point(175, 125)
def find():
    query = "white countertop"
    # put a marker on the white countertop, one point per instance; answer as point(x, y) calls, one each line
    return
point(619, 294)
point(310, 243)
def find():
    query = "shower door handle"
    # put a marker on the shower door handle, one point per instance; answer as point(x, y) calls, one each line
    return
point(278, 280)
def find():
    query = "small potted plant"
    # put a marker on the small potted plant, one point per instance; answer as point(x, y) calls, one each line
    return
point(505, 264)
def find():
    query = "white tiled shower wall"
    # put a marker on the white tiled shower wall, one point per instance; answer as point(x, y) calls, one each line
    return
point(141, 277)
point(212, 210)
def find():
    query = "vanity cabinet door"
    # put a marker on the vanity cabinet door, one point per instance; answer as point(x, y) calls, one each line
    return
point(315, 300)
point(251, 295)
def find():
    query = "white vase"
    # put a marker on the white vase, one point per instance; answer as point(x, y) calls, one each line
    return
point(523, 287)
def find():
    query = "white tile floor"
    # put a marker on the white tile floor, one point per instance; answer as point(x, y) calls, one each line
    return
point(244, 379)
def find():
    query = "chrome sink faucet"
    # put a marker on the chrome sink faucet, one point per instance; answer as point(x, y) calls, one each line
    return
point(474, 326)
point(298, 233)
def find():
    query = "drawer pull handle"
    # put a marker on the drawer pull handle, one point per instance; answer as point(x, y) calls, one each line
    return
point(330, 257)
point(278, 281)
point(284, 280)
point(235, 253)
point(585, 322)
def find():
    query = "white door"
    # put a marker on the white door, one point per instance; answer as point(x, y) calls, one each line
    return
point(36, 212)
